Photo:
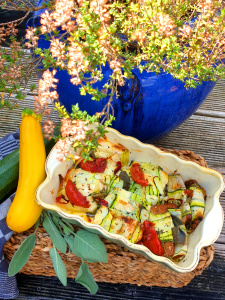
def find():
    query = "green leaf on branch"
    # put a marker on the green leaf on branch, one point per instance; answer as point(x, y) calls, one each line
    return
point(22, 255)
point(89, 246)
point(58, 265)
point(54, 234)
point(32, 87)
point(85, 278)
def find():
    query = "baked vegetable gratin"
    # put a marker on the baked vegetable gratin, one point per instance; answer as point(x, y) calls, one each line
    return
point(137, 200)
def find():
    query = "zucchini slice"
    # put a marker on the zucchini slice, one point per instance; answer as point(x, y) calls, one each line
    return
point(178, 194)
point(100, 215)
point(197, 203)
point(175, 182)
point(80, 174)
point(155, 175)
point(107, 149)
point(163, 225)
point(128, 228)
point(137, 235)
point(197, 212)
point(123, 194)
point(197, 193)
point(153, 217)
point(110, 167)
point(116, 225)
point(127, 207)
point(91, 183)
point(152, 200)
point(152, 190)
point(175, 212)
point(116, 183)
point(185, 209)
point(137, 189)
point(163, 177)
point(166, 236)
point(180, 251)
point(110, 199)
point(144, 215)
point(161, 181)
point(149, 169)
point(197, 198)
point(106, 223)
point(151, 194)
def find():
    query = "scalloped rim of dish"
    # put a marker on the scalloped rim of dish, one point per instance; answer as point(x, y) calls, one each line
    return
point(120, 239)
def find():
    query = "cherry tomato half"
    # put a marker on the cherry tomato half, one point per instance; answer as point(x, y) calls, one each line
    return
point(101, 201)
point(119, 165)
point(138, 175)
point(150, 239)
point(96, 165)
point(74, 196)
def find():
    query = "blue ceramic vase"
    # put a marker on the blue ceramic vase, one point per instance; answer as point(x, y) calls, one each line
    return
point(149, 105)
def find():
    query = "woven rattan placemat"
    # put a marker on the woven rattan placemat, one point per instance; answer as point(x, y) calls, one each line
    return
point(123, 265)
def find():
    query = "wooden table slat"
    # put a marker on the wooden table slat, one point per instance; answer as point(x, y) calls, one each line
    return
point(203, 133)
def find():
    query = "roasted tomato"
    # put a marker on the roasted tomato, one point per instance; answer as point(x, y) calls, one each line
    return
point(96, 165)
point(171, 204)
point(194, 224)
point(150, 238)
point(119, 165)
point(159, 209)
point(58, 199)
point(189, 182)
point(187, 219)
point(74, 196)
point(189, 193)
point(61, 199)
point(101, 201)
point(138, 175)
point(169, 248)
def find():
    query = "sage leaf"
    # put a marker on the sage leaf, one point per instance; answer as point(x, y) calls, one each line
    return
point(85, 278)
point(54, 234)
point(89, 246)
point(58, 265)
point(68, 221)
point(22, 255)
point(66, 228)
point(72, 246)
point(70, 241)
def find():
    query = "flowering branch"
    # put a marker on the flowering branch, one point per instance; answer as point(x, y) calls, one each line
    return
point(16, 67)
point(22, 5)
point(17, 20)
point(183, 38)
point(75, 131)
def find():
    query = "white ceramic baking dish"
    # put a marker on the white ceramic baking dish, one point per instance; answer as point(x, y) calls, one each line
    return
point(205, 234)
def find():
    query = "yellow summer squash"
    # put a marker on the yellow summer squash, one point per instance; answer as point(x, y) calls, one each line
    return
point(24, 211)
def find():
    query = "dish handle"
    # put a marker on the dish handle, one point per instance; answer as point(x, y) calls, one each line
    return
point(213, 226)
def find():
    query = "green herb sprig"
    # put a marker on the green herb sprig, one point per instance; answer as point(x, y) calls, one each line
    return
point(88, 144)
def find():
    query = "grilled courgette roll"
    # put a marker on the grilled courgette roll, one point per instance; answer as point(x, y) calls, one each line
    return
point(138, 201)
